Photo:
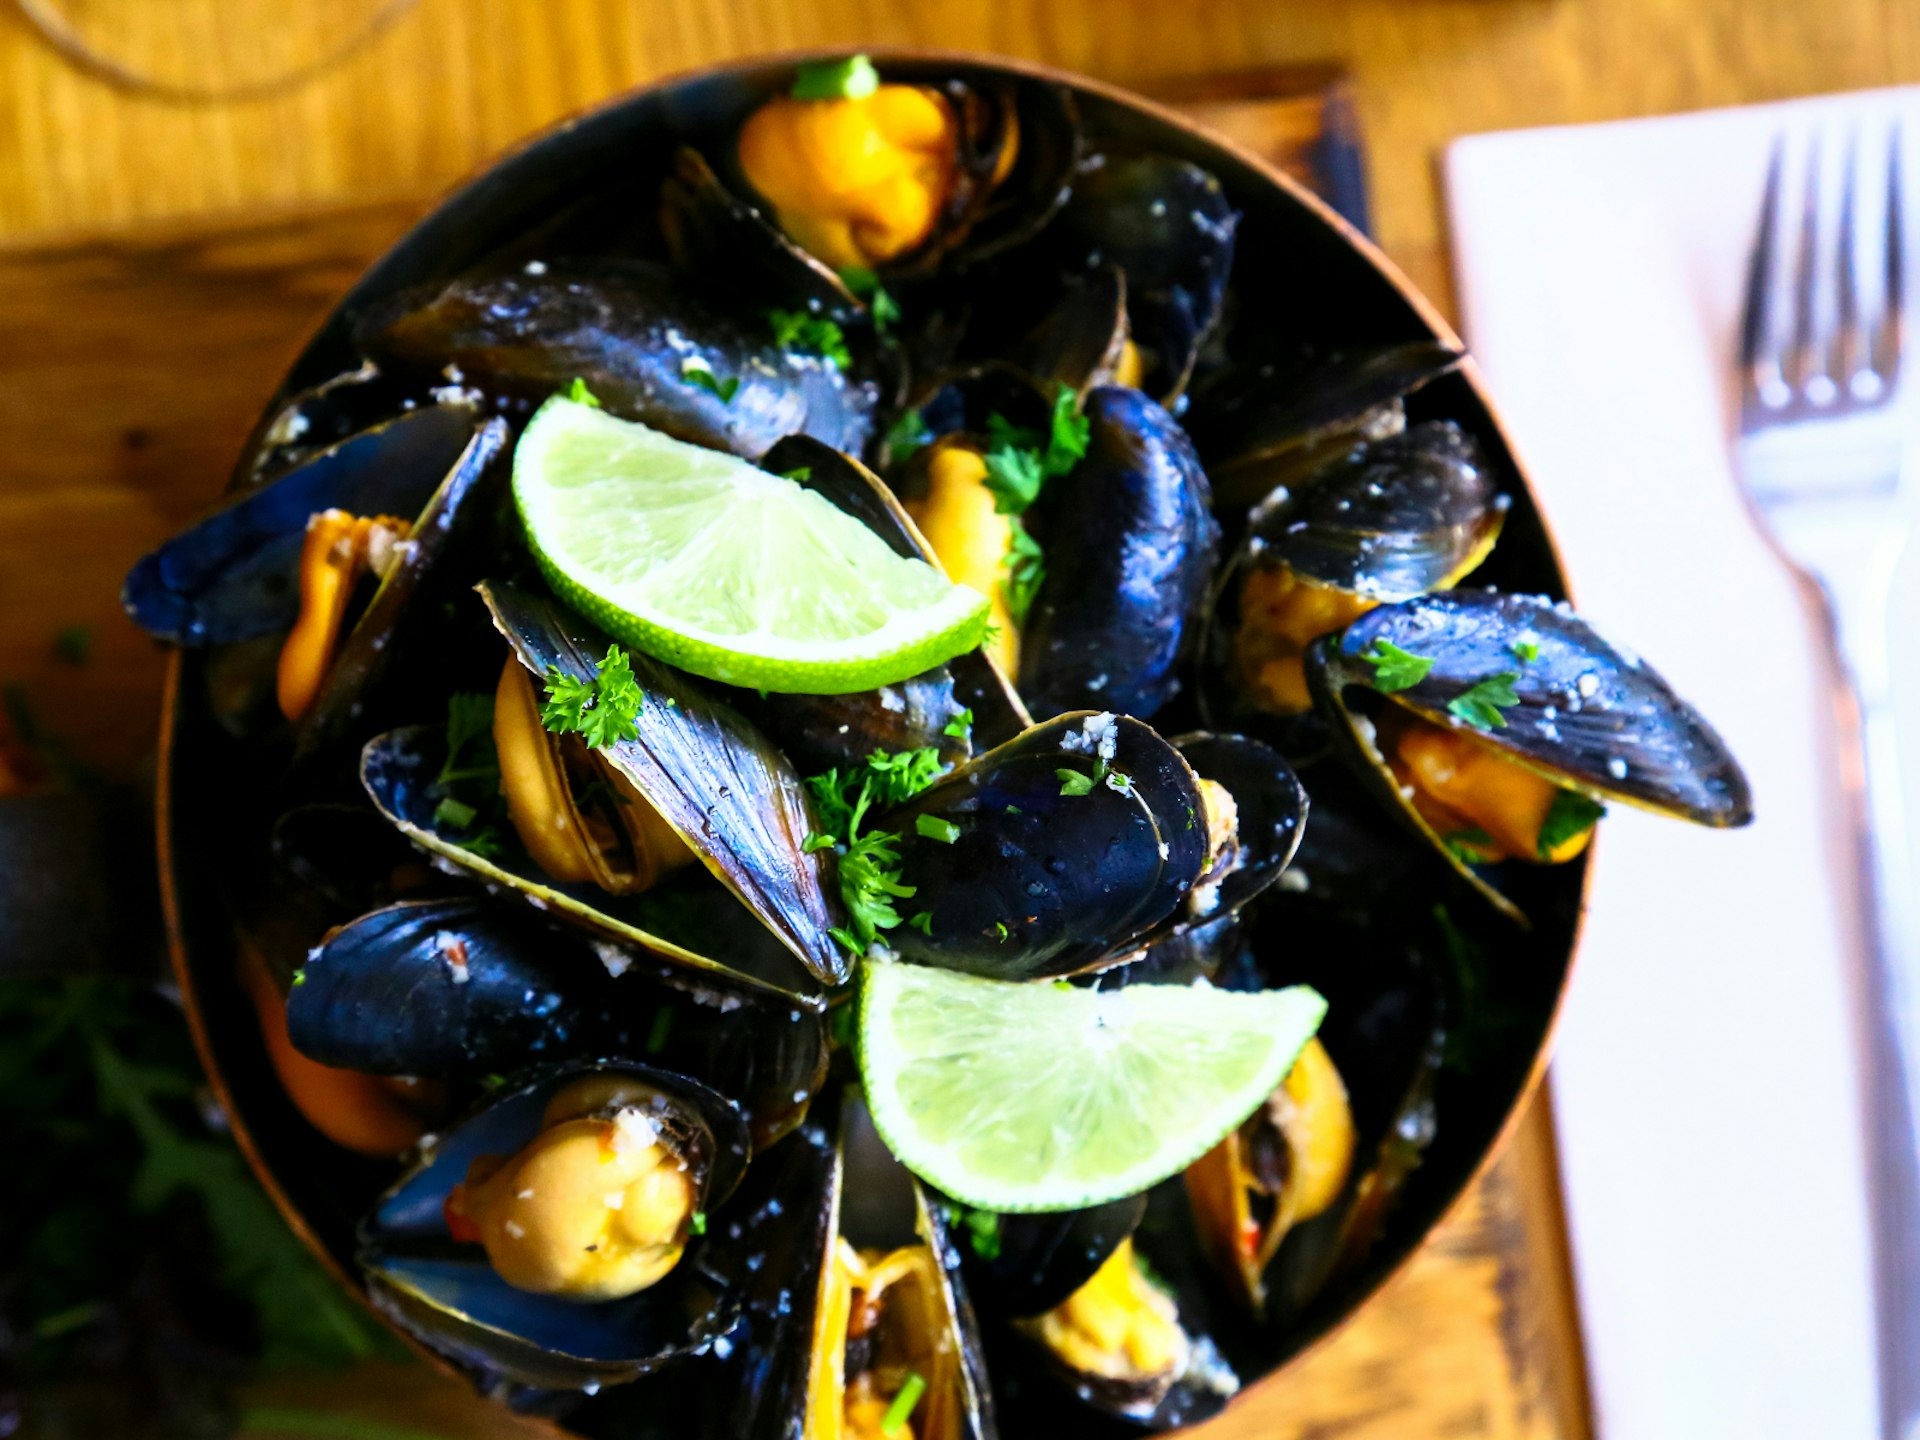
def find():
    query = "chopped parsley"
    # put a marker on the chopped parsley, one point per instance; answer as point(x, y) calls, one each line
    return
point(1026, 566)
point(906, 437)
point(1526, 650)
point(799, 474)
point(300, 976)
point(1469, 846)
point(866, 285)
point(1075, 782)
point(581, 395)
point(932, 827)
point(1020, 461)
point(1481, 704)
point(961, 726)
point(895, 1420)
point(602, 710)
point(982, 1228)
point(1000, 931)
point(699, 373)
point(870, 862)
point(658, 1031)
point(454, 814)
point(1394, 668)
point(1571, 814)
point(814, 334)
point(923, 922)
point(698, 1222)
point(853, 78)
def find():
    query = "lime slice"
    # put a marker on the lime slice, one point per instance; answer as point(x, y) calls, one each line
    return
point(708, 563)
point(1052, 1097)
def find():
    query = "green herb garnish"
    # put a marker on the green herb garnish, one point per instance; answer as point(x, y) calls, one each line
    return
point(1026, 566)
point(1075, 782)
point(932, 827)
point(813, 334)
point(1570, 814)
point(869, 863)
point(454, 814)
point(961, 726)
point(800, 474)
point(658, 1031)
point(581, 395)
point(1525, 650)
point(906, 437)
point(698, 1223)
point(698, 372)
point(1480, 705)
point(1468, 846)
point(982, 1229)
point(1000, 931)
point(603, 710)
point(1394, 668)
point(853, 78)
point(923, 922)
point(909, 1396)
point(1019, 461)
point(884, 309)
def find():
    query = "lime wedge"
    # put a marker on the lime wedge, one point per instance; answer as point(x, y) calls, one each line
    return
point(704, 561)
point(1051, 1097)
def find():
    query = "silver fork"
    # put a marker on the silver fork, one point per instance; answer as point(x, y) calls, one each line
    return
point(1823, 448)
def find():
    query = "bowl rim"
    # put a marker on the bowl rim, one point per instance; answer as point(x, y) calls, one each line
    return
point(1423, 309)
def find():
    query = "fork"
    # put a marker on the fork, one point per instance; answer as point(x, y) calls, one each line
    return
point(1821, 457)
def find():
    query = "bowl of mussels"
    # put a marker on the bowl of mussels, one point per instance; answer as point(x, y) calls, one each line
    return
point(882, 746)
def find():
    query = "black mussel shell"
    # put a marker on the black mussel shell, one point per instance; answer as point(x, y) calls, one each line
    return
point(716, 780)
point(716, 237)
point(449, 1297)
point(463, 988)
point(1394, 519)
point(1257, 420)
point(312, 420)
point(1082, 339)
point(1018, 880)
point(637, 338)
point(1588, 715)
point(916, 712)
point(1034, 1262)
point(677, 924)
point(1272, 816)
point(1130, 545)
point(1047, 123)
point(1169, 226)
point(235, 575)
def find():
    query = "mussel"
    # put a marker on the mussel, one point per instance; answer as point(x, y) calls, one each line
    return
point(551, 1239)
point(1498, 706)
point(1388, 521)
point(644, 347)
point(461, 989)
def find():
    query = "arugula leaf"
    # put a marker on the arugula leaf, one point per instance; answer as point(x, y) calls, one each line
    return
point(815, 334)
point(1394, 668)
point(698, 372)
point(853, 78)
point(581, 395)
point(1570, 814)
point(603, 710)
point(1026, 566)
point(1481, 704)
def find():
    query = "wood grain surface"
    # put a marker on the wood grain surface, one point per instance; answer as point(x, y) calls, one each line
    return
point(120, 411)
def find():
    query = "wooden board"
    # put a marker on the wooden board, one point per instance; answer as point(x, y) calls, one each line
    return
point(132, 364)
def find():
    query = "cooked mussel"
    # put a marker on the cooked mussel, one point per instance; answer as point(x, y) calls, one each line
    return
point(716, 781)
point(1129, 545)
point(1025, 1265)
point(1388, 521)
point(1508, 722)
point(900, 178)
point(645, 348)
point(1052, 853)
point(545, 1240)
point(854, 1322)
point(1285, 1165)
point(461, 989)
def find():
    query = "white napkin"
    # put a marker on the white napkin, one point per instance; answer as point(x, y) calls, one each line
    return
point(1706, 1081)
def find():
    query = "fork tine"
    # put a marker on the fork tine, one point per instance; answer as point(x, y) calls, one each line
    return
point(1887, 361)
point(1800, 360)
point(1845, 359)
point(1756, 316)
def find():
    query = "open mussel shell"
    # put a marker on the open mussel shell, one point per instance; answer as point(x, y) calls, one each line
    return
point(1262, 425)
point(235, 575)
point(1036, 1261)
point(1021, 878)
point(1167, 224)
point(464, 988)
point(1082, 341)
point(638, 339)
point(312, 420)
point(1130, 544)
point(1271, 817)
point(399, 772)
point(449, 1297)
point(713, 777)
point(821, 731)
point(1589, 716)
point(776, 1244)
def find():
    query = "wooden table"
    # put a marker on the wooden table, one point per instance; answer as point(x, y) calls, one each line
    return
point(1476, 1337)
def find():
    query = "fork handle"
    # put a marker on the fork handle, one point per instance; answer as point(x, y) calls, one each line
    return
point(1857, 600)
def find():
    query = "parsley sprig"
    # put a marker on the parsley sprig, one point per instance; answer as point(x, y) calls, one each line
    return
point(696, 371)
point(813, 334)
point(853, 78)
point(866, 285)
point(1019, 463)
point(602, 710)
point(1393, 668)
point(1480, 705)
point(869, 862)
point(1570, 814)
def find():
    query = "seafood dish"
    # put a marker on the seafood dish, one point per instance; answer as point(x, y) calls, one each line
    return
point(820, 534)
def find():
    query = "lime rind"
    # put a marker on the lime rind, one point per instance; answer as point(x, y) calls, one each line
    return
point(1036, 1097)
point(702, 560)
